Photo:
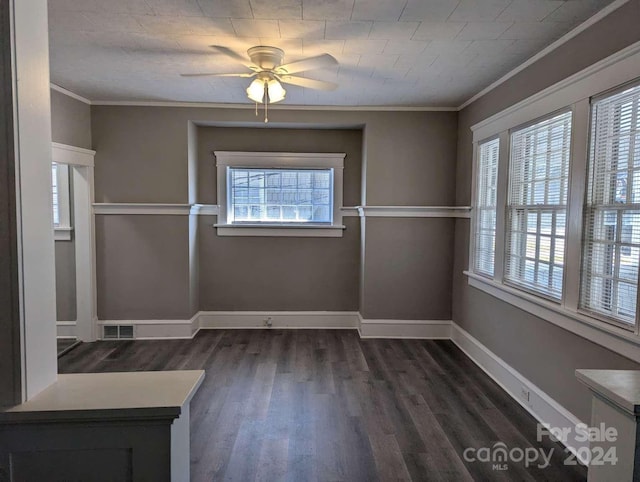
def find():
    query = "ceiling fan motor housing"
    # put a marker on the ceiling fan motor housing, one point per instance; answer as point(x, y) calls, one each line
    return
point(267, 58)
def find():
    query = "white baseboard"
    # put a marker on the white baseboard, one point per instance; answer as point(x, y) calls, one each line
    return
point(279, 319)
point(66, 329)
point(167, 329)
point(543, 408)
point(421, 329)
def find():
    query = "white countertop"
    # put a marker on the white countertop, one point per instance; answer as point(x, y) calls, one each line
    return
point(110, 395)
point(621, 387)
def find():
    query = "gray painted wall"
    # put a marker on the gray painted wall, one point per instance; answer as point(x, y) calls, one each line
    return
point(298, 274)
point(542, 352)
point(65, 281)
point(142, 265)
point(211, 139)
point(70, 121)
point(71, 125)
point(408, 264)
point(143, 156)
point(283, 274)
point(410, 156)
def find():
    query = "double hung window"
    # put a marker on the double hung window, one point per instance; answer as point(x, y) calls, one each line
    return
point(611, 254)
point(537, 205)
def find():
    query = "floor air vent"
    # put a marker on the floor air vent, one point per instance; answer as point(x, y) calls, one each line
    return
point(117, 332)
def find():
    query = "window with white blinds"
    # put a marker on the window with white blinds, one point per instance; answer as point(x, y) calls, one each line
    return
point(280, 195)
point(485, 208)
point(60, 189)
point(537, 205)
point(612, 213)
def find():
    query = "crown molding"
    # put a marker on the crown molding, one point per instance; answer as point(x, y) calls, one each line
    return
point(68, 93)
point(547, 50)
point(222, 105)
point(213, 105)
point(587, 82)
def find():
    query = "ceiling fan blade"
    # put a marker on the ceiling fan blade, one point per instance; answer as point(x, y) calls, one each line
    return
point(218, 75)
point(233, 55)
point(318, 62)
point(309, 83)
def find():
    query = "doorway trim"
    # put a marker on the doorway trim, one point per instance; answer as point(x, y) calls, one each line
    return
point(81, 168)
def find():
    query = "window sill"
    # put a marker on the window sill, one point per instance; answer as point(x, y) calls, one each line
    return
point(618, 340)
point(62, 234)
point(280, 230)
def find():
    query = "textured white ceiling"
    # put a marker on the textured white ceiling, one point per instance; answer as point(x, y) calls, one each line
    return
point(390, 52)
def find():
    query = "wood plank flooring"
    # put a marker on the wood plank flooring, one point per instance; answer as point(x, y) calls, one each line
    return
point(307, 405)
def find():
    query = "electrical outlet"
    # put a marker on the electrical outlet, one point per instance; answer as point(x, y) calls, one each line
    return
point(524, 393)
point(268, 322)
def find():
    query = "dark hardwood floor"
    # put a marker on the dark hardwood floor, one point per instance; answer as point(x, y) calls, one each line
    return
point(305, 405)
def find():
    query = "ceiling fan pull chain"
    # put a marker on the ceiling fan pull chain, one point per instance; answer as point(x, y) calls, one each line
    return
point(256, 109)
point(266, 104)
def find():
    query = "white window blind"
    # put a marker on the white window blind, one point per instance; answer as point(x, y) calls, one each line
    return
point(56, 203)
point(612, 213)
point(487, 180)
point(280, 195)
point(536, 205)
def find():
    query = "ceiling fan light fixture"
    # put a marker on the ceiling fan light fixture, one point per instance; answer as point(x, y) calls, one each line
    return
point(255, 91)
point(276, 91)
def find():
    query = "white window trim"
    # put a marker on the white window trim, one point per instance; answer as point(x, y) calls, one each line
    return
point(575, 93)
point(307, 160)
point(62, 230)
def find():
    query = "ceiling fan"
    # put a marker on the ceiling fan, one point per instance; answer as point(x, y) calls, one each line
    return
point(269, 72)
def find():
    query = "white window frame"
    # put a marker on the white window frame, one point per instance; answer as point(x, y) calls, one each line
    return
point(62, 230)
point(575, 93)
point(278, 160)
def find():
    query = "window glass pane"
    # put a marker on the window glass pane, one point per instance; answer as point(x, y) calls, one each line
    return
point(240, 179)
point(281, 195)
point(485, 214)
point(290, 179)
point(256, 178)
point(304, 213)
point(538, 185)
point(611, 248)
point(304, 180)
point(273, 179)
point(241, 212)
point(289, 213)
